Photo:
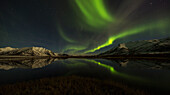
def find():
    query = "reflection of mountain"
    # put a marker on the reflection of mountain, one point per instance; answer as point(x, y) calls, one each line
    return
point(27, 51)
point(144, 64)
point(29, 63)
point(122, 63)
point(152, 47)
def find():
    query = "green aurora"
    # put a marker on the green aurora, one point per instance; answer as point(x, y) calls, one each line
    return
point(74, 48)
point(81, 27)
point(95, 13)
point(94, 16)
point(63, 35)
point(157, 25)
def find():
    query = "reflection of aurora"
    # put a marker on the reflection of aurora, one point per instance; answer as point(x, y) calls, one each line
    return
point(113, 71)
point(95, 16)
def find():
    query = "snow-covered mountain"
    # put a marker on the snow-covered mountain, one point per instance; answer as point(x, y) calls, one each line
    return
point(156, 46)
point(27, 51)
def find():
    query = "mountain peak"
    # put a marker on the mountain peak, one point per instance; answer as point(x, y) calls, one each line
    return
point(7, 49)
point(27, 51)
point(123, 45)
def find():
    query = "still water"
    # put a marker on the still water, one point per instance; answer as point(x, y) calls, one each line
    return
point(148, 74)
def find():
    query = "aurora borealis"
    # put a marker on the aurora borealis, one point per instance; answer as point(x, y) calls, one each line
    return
point(157, 25)
point(81, 26)
point(94, 12)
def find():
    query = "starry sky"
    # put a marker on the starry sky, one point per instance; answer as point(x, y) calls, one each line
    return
point(81, 26)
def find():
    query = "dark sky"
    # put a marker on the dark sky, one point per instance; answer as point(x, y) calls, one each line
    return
point(81, 26)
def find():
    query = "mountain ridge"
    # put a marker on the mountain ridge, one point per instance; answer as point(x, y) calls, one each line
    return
point(155, 46)
point(26, 51)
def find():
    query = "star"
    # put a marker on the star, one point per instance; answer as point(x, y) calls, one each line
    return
point(151, 3)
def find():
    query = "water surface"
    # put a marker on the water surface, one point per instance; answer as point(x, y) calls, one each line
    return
point(148, 74)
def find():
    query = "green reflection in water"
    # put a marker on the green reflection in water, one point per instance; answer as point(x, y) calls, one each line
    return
point(103, 65)
point(113, 71)
point(81, 64)
point(74, 63)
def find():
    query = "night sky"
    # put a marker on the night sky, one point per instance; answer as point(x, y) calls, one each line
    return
point(81, 26)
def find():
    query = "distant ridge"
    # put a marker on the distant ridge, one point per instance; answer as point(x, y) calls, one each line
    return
point(145, 47)
point(27, 51)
